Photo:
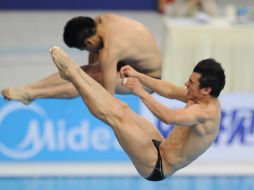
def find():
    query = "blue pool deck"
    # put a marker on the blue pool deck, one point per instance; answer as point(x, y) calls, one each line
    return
point(128, 183)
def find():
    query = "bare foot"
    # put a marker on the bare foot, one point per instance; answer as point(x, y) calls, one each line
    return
point(63, 62)
point(18, 94)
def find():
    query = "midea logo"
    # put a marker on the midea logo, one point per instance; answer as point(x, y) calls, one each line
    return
point(52, 135)
point(21, 152)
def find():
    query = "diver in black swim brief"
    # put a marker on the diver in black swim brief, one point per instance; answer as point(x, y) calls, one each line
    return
point(197, 123)
point(157, 173)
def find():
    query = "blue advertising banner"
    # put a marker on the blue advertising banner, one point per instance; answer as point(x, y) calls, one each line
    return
point(57, 130)
point(53, 130)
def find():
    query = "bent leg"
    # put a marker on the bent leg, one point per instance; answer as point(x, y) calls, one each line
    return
point(133, 132)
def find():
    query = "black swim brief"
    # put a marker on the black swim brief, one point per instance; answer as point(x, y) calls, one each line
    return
point(157, 173)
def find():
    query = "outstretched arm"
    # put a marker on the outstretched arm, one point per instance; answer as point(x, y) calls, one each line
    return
point(186, 117)
point(163, 88)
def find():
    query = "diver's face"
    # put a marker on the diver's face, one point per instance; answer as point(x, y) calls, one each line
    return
point(193, 88)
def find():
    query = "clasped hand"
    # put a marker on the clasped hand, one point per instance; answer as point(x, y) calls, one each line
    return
point(131, 80)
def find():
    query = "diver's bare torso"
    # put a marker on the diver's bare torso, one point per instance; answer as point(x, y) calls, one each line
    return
point(130, 43)
point(186, 143)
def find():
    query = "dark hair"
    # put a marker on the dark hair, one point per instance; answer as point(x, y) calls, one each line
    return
point(212, 75)
point(77, 30)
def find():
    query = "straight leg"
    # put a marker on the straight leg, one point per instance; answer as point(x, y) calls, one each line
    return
point(133, 132)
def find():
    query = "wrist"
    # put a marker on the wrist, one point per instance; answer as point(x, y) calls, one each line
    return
point(144, 95)
point(140, 76)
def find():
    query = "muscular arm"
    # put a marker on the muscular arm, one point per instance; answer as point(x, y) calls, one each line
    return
point(108, 69)
point(163, 88)
point(189, 116)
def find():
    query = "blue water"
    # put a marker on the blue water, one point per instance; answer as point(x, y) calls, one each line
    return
point(126, 183)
